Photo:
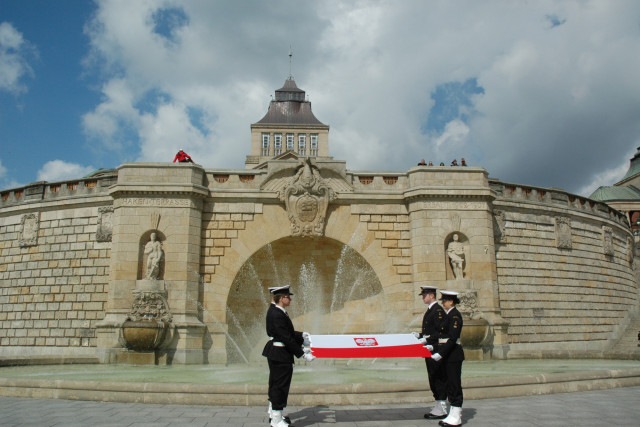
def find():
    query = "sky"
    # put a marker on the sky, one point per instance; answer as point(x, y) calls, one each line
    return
point(541, 93)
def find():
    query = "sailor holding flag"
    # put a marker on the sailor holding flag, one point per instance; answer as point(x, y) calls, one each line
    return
point(450, 354)
point(284, 343)
point(432, 324)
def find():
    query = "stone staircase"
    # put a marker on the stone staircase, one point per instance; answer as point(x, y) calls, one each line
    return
point(627, 347)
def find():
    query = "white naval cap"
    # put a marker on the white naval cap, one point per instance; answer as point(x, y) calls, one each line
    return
point(280, 290)
point(450, 295)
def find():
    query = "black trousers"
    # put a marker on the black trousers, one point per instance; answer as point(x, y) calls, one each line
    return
point(279, 383)
point(437, 378)
point(453, 372)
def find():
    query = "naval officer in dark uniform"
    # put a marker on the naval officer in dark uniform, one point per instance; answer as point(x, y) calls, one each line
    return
point(450, 354)
point(432, 323)
point(284, 343)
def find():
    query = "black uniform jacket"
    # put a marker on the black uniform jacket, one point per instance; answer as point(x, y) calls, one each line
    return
point(280, 328)
point(432, 323)
point(451, 351)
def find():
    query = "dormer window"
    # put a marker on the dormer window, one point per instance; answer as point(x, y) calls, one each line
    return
point(302, 144)
point(265, 144)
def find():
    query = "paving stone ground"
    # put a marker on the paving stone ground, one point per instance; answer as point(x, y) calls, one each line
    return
point(619, 406)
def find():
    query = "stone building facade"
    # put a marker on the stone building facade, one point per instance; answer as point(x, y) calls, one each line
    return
point(541, 272)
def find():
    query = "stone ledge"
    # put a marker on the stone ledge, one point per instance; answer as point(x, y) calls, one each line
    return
point(48, 360)
point(312, 395)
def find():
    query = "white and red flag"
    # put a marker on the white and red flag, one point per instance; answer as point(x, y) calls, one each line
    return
point(367, 346)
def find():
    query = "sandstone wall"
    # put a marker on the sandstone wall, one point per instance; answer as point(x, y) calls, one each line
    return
point(53, 271)
point(565, 271)
point(562, 287)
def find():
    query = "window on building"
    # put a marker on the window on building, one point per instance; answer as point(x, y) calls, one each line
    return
point(302, 145)
point(265, 144)
point(277, 144)
point(313, 145)
point(289, 141)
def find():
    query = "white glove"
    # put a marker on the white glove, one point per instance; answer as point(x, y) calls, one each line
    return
point(416, 334)
point(308, 357)
point(422, 340)
point(306, 350)
point(429, 347)
point(305, 337)
point(436, 357)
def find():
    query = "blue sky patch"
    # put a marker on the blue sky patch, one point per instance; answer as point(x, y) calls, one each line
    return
point(452, 101)
point(555, 20)
point(167, 21)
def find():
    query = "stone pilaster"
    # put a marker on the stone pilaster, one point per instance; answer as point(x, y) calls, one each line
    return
point(165, 199)
point(454, 204)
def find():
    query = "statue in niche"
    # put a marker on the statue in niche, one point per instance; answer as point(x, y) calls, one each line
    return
point(455, 252)
point(153, 250)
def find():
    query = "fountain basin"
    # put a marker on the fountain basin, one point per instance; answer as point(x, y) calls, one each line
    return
point(144, 334)
point(475, 333)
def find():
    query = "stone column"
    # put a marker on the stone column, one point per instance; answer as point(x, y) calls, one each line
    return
point(167, 199)
point(447, 201)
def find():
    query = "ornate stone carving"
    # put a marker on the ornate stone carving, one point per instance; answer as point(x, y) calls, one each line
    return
point(455, 221)
point(30, 225)
point(154, 252)
point(468, 306)
point(499, 224)
point(607, 241)
point(150, 305)
point(105, 224)
point(563, 233)
point(306, 197)
point(155, 220)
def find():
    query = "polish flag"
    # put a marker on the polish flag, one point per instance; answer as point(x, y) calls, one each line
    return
point(367, 346)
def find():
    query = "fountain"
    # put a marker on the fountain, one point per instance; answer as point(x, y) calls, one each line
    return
point(337, 293)
point(148, 324)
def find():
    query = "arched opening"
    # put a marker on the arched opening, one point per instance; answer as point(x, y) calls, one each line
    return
point(335, 291)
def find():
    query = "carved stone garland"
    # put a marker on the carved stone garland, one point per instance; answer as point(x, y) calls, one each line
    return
point(149, 305)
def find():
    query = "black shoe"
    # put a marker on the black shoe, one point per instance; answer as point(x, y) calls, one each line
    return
point(430, 416)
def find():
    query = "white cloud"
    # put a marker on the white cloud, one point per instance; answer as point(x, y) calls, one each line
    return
point(14, 52)
point(59, 170)
point(560, 101)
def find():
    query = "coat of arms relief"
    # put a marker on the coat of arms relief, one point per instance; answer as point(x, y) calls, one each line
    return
point(306, 196)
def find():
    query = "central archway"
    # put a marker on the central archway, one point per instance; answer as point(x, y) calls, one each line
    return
point(336, 291)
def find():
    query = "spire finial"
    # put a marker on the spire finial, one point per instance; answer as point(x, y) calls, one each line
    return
point(290, 55)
